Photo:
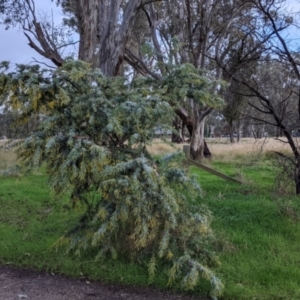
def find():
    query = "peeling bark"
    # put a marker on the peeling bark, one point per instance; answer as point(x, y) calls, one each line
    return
point(87, 13)
point(198, 148)
point(114, 31)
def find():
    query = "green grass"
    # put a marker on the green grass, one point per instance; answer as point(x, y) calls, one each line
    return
point(31, 222)
point(258, 245)
point(260, 252)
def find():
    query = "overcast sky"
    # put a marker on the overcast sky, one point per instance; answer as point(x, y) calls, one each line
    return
point(14, 48)
point(14, 45)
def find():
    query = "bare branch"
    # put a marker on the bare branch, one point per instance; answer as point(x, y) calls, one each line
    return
point(262, 121)
point(34, 46)
point(260, 110)
point(280, 38)
point(138, 63)
point(42, 63)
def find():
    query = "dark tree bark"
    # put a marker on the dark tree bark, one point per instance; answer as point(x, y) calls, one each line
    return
point(297, 178)
point(231, 132)
point(239, 125)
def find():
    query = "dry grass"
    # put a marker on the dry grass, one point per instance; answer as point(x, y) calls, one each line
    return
point(160, 147)
point(219, 147)
point(223, 150)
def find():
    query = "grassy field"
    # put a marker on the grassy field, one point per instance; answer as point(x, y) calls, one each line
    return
point(257, 223)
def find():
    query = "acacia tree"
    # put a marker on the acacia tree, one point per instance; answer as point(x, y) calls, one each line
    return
point(92, 140)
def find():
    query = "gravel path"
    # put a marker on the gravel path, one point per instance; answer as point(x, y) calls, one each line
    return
point(16, 284)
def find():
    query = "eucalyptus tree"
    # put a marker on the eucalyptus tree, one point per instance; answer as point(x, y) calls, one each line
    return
point(103, 27)
point(278, 102)
point(23, 13)
point(235, 104)
point(213, 35)
point(239, 63)
point(280, 84)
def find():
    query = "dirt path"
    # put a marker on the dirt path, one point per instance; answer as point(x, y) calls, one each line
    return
point(16, 284)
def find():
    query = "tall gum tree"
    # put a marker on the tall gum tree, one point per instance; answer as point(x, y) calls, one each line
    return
point(196, 32)
point(103, 26)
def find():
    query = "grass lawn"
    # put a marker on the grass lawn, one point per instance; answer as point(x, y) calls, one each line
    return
point(257, 224)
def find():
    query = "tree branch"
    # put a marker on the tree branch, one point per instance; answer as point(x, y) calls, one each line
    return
point(140, 66)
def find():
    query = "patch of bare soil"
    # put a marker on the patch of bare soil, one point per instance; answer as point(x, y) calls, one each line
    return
point(16, 284)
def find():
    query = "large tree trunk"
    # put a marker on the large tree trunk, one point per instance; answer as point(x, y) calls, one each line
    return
point(297, 178)
point(231, 132)
point(104, 28)
point(197, 140)
point(239, 126)
point(87, 13)
point(198, 146)
point(177, 137)
point(113, 35)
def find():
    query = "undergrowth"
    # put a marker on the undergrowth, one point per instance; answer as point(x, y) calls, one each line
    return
point(258, 232)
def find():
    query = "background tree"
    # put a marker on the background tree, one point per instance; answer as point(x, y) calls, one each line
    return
point(276, 21)
point(235, 104)
point(149, 36)
point(211, 35)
